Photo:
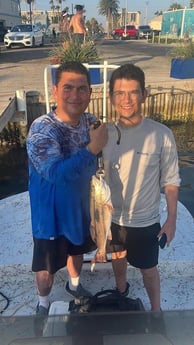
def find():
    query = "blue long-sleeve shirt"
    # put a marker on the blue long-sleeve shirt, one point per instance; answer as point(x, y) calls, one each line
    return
point(60, 169)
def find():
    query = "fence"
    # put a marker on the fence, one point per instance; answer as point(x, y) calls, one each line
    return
point(168, 106)
point(164, 107)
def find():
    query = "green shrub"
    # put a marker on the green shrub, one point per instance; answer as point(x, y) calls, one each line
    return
point(184, 50)
point(72, 51)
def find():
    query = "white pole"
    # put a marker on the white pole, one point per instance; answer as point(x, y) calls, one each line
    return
point(21, 100)
point(104, 116)
point(125, 17)
point(146, 13)
point(182, 23)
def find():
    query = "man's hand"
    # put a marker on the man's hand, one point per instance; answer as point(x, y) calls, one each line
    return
point(98, 138)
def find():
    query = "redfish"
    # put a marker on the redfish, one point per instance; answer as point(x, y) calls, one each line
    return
point(101, 210)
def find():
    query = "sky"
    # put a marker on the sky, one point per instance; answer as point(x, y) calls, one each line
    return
point(147, 8)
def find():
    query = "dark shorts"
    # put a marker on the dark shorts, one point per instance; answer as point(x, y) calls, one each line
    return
point(51, 255)
point(78, 38)
point(141, 244)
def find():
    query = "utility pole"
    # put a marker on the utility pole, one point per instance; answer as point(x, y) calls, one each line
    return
point(29, 2)
point(146, 12)
point(125, 17)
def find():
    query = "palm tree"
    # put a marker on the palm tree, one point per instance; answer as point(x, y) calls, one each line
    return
point(191, 3)
point(175, 6)
point(51, 3)
point(60, 3)
point(52, 6)
point(19, 7)
point(29, 2)
point(108, 8)
point(158, 13)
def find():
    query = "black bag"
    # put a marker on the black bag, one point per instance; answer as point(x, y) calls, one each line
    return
point(106, 300)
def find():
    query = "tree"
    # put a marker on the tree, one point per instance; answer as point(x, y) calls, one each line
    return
point(158, 13)
point(108, 8)
point(60, 2)
point(56, 7)
point(191, 3)
point(52, 6)
point(30, 2)
point(175, 6)
point(94, 28)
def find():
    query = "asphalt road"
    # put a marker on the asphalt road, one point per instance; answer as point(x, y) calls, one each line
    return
point(115, 48)
point(23, 68)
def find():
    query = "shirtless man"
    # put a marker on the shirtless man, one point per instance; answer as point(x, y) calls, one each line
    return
point(77, 25)
point(64, 25)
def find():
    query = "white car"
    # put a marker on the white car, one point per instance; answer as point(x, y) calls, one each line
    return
point(25, 35)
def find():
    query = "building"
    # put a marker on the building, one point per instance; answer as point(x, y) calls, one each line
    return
point(156, 23)
point(129, 18)
point(43, 19)
point(39, 17)
point(178, 23)
point(9, 13)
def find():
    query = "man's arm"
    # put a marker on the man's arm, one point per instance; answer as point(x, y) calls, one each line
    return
point(169, 227)
point(71, 23)
point(82, 26)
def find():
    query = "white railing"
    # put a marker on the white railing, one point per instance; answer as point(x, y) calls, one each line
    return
point(105, 67)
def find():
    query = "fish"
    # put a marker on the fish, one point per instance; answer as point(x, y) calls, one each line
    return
point(101, 210)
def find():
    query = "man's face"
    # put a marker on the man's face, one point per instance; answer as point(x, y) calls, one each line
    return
point(127, 98)
point(72, 95)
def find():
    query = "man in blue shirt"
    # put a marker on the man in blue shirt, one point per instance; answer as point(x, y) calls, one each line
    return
point(62, 147)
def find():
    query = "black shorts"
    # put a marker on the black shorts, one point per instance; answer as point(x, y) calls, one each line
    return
point(141, 244)
point(78, 38)
point(51, 255)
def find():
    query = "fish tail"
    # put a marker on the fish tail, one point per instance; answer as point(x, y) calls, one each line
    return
point(93, 263)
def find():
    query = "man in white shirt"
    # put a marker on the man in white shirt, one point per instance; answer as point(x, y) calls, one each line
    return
point(138, 163)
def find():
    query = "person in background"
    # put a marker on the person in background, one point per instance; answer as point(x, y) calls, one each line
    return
point(77, 25)
point(140, 159)
point(64, 25)
point(54, 34)
point(62, 149)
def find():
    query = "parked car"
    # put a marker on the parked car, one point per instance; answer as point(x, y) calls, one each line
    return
point(3, 31)
point(25, 35)
point(125, 33)
point(145, 31)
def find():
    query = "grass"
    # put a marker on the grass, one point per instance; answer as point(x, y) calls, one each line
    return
point(183, 50)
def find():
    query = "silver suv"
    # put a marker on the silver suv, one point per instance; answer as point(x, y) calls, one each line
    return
point(145, 31)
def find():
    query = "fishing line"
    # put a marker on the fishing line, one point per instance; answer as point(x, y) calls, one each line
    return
point(118, 133)
point(7, 302)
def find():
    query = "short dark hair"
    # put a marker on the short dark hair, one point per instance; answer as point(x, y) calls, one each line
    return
point(72, 66)
point(129, 72)
point(79, 7)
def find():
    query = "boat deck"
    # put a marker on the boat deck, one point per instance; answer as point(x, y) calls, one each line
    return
point(176, 264)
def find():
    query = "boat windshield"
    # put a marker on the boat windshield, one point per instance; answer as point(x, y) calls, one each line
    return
point(139, 328)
